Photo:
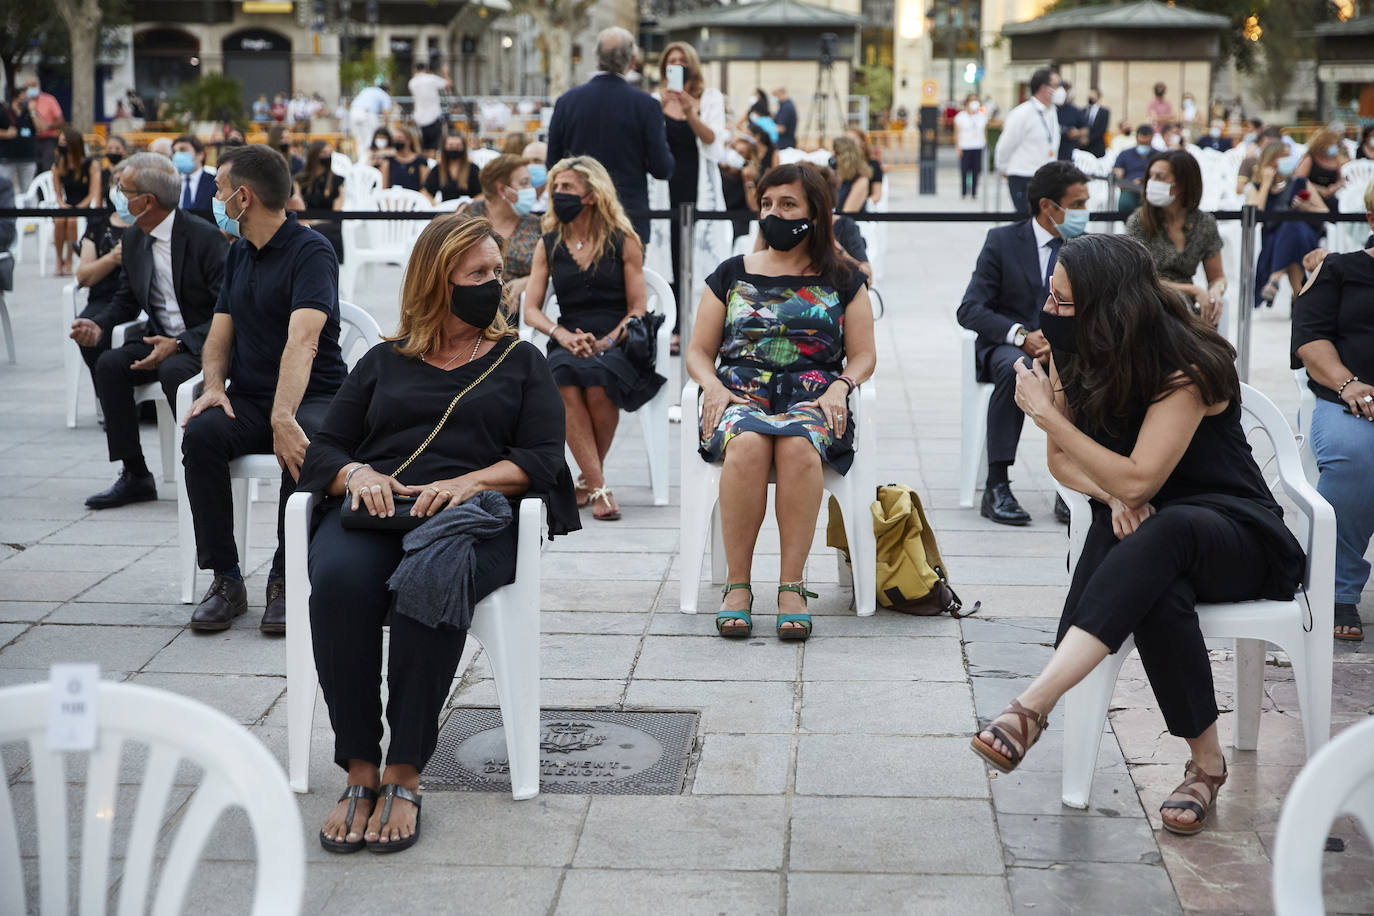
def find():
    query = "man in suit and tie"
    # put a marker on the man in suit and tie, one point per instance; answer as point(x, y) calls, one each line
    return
point(173, 264)
point(1003, 303)
point(197, 185)
point(1099, 116)
point(616, 124)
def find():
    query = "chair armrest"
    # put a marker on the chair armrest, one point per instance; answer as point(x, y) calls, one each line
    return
point(187, 394)
point(531, 540)
point(121, 331)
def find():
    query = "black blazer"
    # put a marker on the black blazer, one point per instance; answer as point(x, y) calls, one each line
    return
point(1097, 131)
point(198, 251)
point(1006, 289)
point(619, 126)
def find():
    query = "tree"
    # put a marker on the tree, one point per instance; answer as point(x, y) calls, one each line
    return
point(1282, 23)
point(556, 21)
point(83, 19)
point(22, 24)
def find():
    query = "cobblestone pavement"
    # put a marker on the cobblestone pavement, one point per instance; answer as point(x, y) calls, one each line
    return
point(830, 777)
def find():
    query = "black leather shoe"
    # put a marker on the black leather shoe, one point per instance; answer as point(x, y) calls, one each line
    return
point(129, 488)
point(1000, 506)
point(1061, 510)
point(274, 618)
point(226, 599)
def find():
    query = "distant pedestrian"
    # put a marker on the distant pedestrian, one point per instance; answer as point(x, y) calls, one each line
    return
point(1160, 110)
point(970, 133)
point(366, 114)
point(1073, 126)
point(786, 119)
point(47, 118)
point(1099, 118)
point(429, 116)
point(18, 142)
point(1030, 136)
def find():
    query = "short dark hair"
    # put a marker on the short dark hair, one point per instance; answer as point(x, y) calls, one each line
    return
point(1052, 181)
point(261, 168)
point(193, 140)
point(1272, 130)
point(420, 66)
point(1039, 78)
point(1146, 129)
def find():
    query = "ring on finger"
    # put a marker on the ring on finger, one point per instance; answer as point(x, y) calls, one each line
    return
point(376, 488)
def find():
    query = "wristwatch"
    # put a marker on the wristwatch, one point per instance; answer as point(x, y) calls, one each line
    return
point(181, 345)
point(1021, 335)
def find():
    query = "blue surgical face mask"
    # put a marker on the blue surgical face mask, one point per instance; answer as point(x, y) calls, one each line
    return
point(121, 204)
point(1142, 148)
point(185, 163)
point(222, 218)
point(1287, 164)
point(33, 92)
point(524, 201)
point(1332, 150)
point(1075, 223)
point(538, 174)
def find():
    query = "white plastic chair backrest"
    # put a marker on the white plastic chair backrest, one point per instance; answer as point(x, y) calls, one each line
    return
point(431, 163)
point(451, 206)
point(364, 182)
point(1307, 403)
point(790, 156)
point(1351, 147)
point(395, 233)
point(237, 771)
point(1338, 779)
point(1358, 173)
point(341, 165)
point(41, 192)
point(481, 156)
point(357, 328)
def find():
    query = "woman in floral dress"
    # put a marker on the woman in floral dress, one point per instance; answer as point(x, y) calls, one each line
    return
point(792, 327)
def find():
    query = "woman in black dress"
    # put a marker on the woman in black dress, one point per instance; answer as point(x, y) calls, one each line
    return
point(406, 168)
point(1180, 511)
point(99, 270)
point(505, 434)
point(1321, 166)
point(320, 189)
point(454, 176)
point(76, 182)
point(595, 261)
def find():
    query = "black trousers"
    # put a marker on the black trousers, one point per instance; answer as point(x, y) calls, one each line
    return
point(212, 440)
point(970, 167)
point(115, 380)
point(1016, 186)
point(349, 605)
point(1004, 417)
point(1148, 584)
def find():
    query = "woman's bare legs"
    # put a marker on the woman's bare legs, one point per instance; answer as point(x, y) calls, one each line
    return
point(605, 419)
point(63, 235)
point(743, 502)
point(796, 505)
point(581, 435)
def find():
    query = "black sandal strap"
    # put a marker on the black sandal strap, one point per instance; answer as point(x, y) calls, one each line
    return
point(392, 791)
point(1197, 809)
point(353, 793)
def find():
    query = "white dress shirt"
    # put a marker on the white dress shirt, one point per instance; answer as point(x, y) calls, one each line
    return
point(162, 296)
point(1043, 237)
point(425, 89)
point(1030, 138)
point(192, 181)
point(971, 129)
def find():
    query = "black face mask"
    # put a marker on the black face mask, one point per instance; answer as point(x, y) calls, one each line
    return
point(1061, 331)
point(784, 234)
point(567, 207)
point(285, 149)
point(476, 305)
point(114, 158)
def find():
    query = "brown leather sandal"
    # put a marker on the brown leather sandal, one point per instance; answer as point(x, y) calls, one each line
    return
point(1020, 739)
point(1196, 802)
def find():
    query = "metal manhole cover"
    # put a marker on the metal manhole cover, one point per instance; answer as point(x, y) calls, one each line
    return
point(581, 752)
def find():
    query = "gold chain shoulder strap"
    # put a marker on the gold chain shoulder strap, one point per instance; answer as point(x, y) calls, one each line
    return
point(454, 403)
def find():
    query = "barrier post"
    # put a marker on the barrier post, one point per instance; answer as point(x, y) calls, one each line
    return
point(1245, 300)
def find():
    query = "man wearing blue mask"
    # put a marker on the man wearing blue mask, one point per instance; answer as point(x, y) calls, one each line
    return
point(1128, 171)
point(274, 342)
point(172, 265)
point(197, 184)
point(1003, 304)
point(537, 154)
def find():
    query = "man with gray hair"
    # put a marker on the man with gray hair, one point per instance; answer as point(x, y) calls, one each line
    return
point(172, 266)
point(162, 146)
point(616, 124)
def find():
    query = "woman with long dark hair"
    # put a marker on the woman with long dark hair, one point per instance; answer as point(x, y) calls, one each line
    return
point(455, 176)
point(1142, 412)
point(792, 328)
point(76, 182)
point(320, 189)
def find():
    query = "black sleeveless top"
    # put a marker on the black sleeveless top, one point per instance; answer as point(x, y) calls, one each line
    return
point(406, 174)
point(593, 299)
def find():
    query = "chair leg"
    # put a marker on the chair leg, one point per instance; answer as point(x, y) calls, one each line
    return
point(186, 541)
point(1085, 712)
point(1249, 689)
point(71, 371)
point(858, 528)
point(507, 626)
point(973, 441)
point(9, 331)
point(697, 526)
point(1311, 659)
point(243, 513)
point(654, 424)
point(301, 679)
point(167, 433)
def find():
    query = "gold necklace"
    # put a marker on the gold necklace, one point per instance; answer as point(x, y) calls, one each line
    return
point(475, 347)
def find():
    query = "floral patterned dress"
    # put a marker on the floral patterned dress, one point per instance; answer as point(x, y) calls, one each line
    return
point(783, 346)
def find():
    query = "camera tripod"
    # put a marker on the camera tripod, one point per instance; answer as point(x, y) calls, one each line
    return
point(822, 100)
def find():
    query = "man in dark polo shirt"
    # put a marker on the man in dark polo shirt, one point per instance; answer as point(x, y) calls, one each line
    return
point(274, 340)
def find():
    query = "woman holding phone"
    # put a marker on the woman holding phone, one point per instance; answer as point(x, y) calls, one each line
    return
point(695, 120)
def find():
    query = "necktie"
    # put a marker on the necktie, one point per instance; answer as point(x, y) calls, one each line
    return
point(1054, 246)
point(186, 199)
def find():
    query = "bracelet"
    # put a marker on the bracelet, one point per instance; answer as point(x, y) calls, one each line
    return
point(848, 381)
point(349, 476)
point(1353, 378)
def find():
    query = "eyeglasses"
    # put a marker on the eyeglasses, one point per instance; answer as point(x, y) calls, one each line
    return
point(1058, 303)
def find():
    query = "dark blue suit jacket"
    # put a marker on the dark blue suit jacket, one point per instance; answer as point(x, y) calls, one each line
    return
point(205, 192)
point(1006, 289)
point(619, 126)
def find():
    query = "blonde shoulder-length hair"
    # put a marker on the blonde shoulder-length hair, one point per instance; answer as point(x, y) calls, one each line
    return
point(608, 217)
point(694, 81)
point(849, 160)
point(425, 290)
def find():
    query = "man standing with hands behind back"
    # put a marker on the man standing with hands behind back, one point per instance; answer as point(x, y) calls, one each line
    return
point(275, 336)
point(1030, 136)
point(1003, 303)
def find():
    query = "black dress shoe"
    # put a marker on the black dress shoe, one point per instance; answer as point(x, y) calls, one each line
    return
point(129, 488)
point(1061, 509)
point(226, 599)
point(1000, 506)
point(274, 618)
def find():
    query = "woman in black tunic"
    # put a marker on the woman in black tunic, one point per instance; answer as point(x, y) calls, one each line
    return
point(455, 176)
point(505, 434)
point(99, 270)
point(320, 189)
point(596, 262)
point(1181, 513)
point(406, 168)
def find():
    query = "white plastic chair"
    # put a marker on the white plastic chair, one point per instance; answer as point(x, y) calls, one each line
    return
point(506, 623)
point(71, 353)
point(481, 156)
point(41, 194)
point(855, 492)
point(974, 397)
point(238, 772)
point(361, 185)
point(13, 252)
point(341, 165)
point(1307, 404)
point(356, 328)
point(380, 241)
point(1249, 623)
point(1338, 779)
point(653, 416)
point(451, 206)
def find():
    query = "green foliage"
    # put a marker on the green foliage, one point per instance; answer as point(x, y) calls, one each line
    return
point(364, 70)
point(209, 97)
point(876, 83)
point(1282, 21)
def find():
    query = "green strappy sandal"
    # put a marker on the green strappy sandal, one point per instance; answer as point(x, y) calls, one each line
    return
point(795, 632)
point(724, 617)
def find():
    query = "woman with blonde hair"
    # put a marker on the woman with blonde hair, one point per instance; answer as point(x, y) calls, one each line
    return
point(855, 174)
point(595, 262)
point(1321, 166)
point(508, 198)
point(875, 165)
point(694, 117)
point(76, 182)
point(451, 406)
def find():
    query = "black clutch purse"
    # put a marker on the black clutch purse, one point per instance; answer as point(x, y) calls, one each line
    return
point(361, 518)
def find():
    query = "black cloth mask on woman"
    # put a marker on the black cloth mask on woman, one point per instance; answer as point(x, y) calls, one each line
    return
point(784, 234)
point(114, 158)
point(1060, 330)
point(476, 305)
point(567, 207)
